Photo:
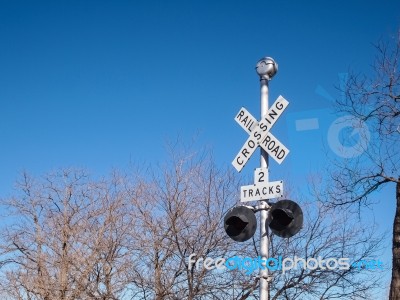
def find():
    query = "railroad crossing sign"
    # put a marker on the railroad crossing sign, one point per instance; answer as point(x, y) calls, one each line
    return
point(260, 135)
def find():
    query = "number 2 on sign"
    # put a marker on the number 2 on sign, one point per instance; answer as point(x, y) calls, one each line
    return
point(260, 175)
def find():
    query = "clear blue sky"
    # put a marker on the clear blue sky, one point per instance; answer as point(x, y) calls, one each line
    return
point(98, 84)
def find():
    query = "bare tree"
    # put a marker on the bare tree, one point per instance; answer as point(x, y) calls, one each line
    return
point(179, 210)
point(373, 100)
point(65, 238)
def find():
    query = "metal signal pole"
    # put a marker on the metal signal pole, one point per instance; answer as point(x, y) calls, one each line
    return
point(286, 216)
point(266, 68)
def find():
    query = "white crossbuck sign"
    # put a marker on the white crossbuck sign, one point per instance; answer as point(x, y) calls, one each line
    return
point(260, 135)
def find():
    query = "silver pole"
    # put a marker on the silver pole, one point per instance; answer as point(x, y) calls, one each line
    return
point(264, 289)
point(266, 69)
